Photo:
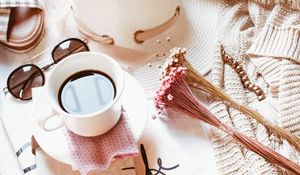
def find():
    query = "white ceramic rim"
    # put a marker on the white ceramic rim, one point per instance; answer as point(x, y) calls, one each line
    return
point(54, 103)
point(137, 132)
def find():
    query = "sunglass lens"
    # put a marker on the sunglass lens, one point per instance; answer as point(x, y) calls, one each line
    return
point(23, 79)
point(68, 47)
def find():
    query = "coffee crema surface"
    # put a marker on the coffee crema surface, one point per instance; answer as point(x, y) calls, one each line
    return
point(86, 92)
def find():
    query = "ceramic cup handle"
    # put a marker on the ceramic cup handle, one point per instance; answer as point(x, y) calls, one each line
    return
point(43, 121)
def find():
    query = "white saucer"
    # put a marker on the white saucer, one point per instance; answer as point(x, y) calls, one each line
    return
point(54, 142)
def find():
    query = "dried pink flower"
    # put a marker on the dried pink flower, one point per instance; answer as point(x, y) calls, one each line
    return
point(170, 97)
point(174, 94)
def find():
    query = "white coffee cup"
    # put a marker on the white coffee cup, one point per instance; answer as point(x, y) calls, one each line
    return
point(89, 124)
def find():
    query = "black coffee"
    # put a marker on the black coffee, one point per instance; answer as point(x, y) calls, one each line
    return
point(86, 92)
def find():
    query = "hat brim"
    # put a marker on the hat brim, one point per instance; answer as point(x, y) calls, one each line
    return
point(196, 30)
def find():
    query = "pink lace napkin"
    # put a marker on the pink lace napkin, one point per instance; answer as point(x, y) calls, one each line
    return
point(96, 153)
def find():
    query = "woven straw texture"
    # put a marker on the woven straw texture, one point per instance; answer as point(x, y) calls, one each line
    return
point(195, 30)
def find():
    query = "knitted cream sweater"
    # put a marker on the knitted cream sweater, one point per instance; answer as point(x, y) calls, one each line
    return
point(264, 35)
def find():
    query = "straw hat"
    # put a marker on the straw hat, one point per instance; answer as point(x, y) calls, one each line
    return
point(166, 24)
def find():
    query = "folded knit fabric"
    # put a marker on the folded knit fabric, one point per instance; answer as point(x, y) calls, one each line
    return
point(265, 33)
point(96, 153)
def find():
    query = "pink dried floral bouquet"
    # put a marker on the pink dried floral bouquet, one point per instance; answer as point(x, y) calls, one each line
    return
point(197, 81)
point(174, 94)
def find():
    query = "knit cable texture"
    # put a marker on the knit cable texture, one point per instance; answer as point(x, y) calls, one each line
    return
point(267, 33)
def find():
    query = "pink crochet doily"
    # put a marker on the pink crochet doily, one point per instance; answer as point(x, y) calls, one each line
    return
point(96, 153)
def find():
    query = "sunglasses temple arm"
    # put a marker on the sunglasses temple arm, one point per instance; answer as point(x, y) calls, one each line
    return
point(43, 68)
point(22, 83)
point(29, 81)
point(64, 56)
point(5, 90)
point(85, 41)
point(39, 54)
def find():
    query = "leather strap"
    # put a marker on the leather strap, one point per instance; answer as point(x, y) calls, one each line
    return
point(127, 55)
point(5, 9)
point(139, 36)
point(142, 35)
point(91, 34)
point(106, 43)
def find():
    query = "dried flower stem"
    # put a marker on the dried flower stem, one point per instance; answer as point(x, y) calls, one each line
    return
point(196, 80)
point(175, 95)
